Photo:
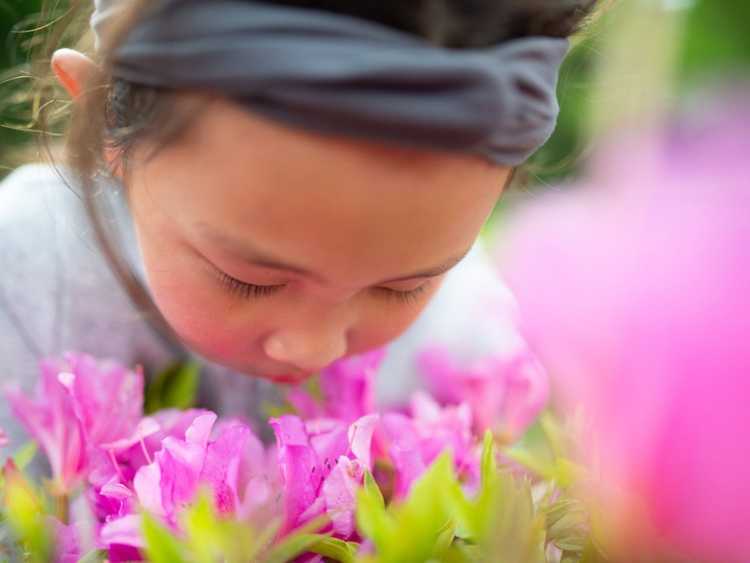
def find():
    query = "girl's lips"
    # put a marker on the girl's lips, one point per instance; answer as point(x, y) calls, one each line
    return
point(289, 378)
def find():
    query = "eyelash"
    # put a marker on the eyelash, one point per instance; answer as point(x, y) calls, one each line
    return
point(252, 291)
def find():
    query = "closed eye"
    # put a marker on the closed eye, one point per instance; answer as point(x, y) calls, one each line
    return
point(411, 296)
point(247, 290)
point(252, 291)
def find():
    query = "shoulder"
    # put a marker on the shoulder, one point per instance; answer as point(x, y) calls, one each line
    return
point(39, 210)
point(41, 217)
point(56, 290)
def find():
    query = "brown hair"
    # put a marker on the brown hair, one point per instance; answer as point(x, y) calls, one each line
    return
point(115, 114)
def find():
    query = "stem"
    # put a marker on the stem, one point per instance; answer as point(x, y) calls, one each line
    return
point(63, 508)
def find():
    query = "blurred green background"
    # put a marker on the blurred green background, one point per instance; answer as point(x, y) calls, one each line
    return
point(635, 58)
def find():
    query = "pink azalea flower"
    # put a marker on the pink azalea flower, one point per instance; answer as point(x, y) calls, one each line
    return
point(67, 546)
point(3, 438)
point(226, 457)
point(80, 403)
point(113, 465)
point(414, 442)
point(504, 394)
point(635, 293)
point(347, 387)
point(322, 463)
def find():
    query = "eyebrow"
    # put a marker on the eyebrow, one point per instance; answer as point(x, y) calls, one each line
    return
point(265, 260)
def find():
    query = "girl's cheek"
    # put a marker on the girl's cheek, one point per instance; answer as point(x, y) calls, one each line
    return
point(201, 315)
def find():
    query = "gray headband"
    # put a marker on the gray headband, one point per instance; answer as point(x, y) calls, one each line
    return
point(339, 74)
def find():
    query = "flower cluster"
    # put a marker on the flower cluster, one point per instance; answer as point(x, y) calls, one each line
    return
point(87, 417)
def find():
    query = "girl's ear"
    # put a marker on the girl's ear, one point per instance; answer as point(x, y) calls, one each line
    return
point(71, 69)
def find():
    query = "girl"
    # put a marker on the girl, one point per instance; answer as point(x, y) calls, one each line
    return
point(276, 185)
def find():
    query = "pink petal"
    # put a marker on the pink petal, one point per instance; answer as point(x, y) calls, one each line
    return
point(404, 450)
point(360, 438)
point(123, 531)
point(300, 470)
point(222, 464)
point(339, 491)
point(147, 485)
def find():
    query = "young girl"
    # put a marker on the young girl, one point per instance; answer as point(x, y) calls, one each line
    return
point(276, 185)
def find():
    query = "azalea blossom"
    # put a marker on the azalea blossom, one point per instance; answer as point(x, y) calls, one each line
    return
point(80, 403)
point(226, 457)
point(505, 393)
point(347, 389)
point(634, 289)
point(414, 441)
point(322, 462)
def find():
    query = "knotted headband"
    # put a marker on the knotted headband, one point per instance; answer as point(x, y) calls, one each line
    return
point(340, 74)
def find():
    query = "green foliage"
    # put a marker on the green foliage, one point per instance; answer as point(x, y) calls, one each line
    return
point(25, 513)
point(415, 529)
point(439, 521)
point(161, 546)
point(24, 455)
point(208, 537)
point(175, 387)
point(716, 41)
point(336, 549)
point(95, 556)
point(512, 516)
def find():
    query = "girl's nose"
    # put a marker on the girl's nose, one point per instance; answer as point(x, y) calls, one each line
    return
point(309, 351)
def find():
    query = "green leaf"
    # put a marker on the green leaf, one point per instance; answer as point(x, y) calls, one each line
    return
point(298, 542)
point(372, 488)
point(373, 521)
point(488, 466)
point(474, 516)
point(26, 515)
point(334, 548)
point(95, 556)
point(291, 547)
point(23, 456)
point(161, 545)
point(207, 538)
point(175, 387)
point(568, 525)
point(423, 516)
point(511, 524)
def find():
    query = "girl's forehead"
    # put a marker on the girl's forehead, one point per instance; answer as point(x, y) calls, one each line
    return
point(320, 200)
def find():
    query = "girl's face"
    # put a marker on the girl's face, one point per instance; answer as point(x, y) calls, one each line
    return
point(276, 251)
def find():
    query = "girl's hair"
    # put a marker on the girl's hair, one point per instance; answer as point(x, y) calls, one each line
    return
point(116, 114)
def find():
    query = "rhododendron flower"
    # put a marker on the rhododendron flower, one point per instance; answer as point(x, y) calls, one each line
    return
point(322, 463)
point(414, 442)
point(635, 292)
point(80, 403)
point(67, 546)
point(347, 387)
point(227, 458)
point(505, 394)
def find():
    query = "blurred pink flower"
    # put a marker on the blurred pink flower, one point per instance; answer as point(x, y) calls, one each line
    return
point(3, 438)
point(67, 545)
point(80, 403)
point(504, 394)
point(634, 290)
